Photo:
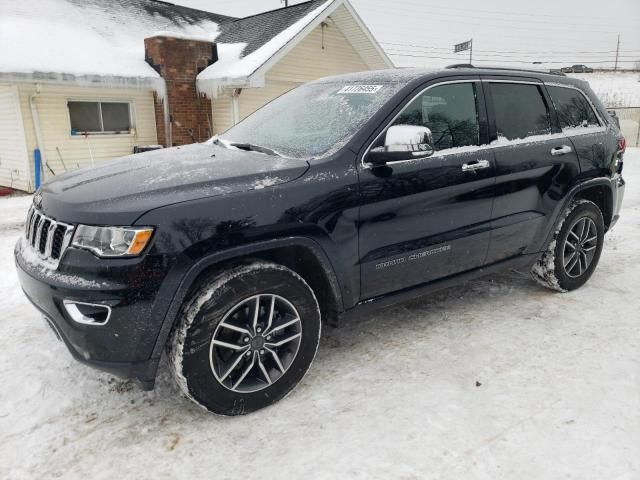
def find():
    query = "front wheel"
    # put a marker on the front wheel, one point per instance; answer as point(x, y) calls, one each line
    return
point(246, 338)
point(575, 249)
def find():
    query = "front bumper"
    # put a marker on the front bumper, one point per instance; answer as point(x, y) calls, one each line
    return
point(124, 345)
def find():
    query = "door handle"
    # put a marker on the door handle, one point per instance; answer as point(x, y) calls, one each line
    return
point(475, 165)
point(563, 150)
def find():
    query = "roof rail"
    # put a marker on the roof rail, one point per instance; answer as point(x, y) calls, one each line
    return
point(460, 65)
point(507, 69)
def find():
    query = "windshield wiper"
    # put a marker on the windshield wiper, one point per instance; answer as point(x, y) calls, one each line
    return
point(255, 148)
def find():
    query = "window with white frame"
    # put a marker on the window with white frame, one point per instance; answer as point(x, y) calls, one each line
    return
point(89, 117)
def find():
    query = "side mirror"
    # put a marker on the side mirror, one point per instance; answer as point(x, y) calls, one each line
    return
point(403, 142)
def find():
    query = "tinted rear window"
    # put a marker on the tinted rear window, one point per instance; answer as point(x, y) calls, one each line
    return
point(520, 110)
point(573, 109)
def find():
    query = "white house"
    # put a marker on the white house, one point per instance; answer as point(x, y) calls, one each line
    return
point(85, 81)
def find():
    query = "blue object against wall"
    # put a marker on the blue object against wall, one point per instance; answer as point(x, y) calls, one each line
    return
point(38, 166)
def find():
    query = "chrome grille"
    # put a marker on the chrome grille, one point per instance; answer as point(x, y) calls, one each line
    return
point(46, 236)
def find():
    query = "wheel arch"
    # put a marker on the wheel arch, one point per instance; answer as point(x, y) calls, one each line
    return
point(602, 195)
point(597, 190)
point(301, 254)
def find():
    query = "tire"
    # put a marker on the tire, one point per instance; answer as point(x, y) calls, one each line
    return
point(558, 268)
point(232, 362)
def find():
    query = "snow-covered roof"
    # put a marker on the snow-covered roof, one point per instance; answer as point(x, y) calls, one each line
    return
point(247, 47)
point(247, 44)
point(95, 41)
point(91, 39)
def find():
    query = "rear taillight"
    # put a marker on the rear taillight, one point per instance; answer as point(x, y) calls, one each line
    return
point(622, 144)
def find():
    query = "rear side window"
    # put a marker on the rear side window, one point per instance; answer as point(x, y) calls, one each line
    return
point(520, 110)
point(573, 109)
point(449, 111)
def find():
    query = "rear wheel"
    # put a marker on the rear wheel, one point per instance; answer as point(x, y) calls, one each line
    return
point(246, 338)
point(575, 249)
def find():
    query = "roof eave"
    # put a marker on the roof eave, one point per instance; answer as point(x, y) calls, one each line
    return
point(212, 87)
point(88, 80)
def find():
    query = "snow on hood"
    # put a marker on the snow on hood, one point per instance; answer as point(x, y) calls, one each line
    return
point(234, 69)
point(72, 37)
point(119, 191)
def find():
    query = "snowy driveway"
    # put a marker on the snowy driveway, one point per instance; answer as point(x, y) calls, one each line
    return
point(496, 379)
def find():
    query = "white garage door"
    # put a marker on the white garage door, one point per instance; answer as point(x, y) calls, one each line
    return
point(14, 158)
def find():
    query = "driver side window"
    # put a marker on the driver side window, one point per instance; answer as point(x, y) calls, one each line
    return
point(449, 111)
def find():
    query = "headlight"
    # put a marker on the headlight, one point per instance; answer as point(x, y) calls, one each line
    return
point(112, 241)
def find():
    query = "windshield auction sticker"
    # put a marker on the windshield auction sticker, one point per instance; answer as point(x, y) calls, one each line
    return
point(360, 89)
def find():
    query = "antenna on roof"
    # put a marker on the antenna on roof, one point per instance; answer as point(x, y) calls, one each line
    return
point(286, 3)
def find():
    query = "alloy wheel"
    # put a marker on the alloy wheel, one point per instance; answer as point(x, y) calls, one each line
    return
point(255, 343)
point(580, 247)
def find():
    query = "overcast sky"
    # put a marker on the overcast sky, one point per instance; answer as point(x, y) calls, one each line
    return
point(517, 32)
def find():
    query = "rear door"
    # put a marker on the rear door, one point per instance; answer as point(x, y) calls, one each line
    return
point(580, 122)
point(535, 163)
point(428, 218)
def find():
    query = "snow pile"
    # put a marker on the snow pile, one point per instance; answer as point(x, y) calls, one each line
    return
point(59, 39)
point(13, 211)
point(197, 37)
point(568, 131)
point(615, 89)
point(234, 69)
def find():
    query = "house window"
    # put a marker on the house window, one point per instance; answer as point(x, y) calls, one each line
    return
point(99, 117)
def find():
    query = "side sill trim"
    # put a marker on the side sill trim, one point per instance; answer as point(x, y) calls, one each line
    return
point(420, 290)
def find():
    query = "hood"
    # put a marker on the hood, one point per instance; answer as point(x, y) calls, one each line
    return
point(118, 192)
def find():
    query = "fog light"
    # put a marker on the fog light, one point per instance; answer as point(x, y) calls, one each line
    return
point(88, 313)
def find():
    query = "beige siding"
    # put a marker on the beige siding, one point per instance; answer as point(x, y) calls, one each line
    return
point(309, 60)
point(14, 170)
point(305, 62)
point(221, 113)
point(80, 151)
point(359, 37)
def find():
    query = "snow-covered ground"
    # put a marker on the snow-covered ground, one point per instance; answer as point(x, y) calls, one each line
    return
point(495, 379)
point(615, 89)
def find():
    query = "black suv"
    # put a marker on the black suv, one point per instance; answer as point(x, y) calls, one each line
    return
point(345, 194)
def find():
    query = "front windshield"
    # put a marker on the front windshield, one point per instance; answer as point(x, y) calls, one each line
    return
point(312, 120)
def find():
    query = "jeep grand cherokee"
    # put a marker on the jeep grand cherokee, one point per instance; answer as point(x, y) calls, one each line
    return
point(345, 194)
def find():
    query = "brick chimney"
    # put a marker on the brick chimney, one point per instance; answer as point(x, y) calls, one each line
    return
point(179, 61)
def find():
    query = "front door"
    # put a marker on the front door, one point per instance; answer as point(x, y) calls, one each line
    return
point(426, 219)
